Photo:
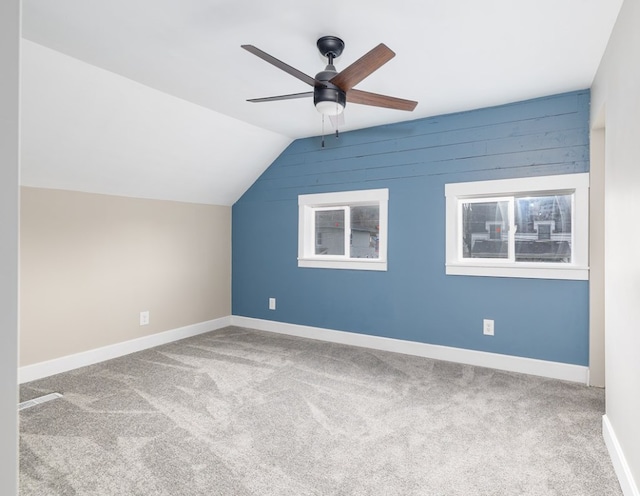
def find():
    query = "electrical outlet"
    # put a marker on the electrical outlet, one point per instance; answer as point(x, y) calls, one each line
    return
point(487, 327)
point(144, 318)
point(272, 303)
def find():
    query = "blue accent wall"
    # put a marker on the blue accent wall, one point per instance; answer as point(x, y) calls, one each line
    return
point(414, 300)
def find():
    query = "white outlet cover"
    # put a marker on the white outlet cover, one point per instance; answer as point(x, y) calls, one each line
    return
point(144, 318)
point(272, 303)
point(487, 327)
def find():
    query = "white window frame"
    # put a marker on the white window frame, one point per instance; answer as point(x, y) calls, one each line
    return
point(309, 204)
point(505, 190)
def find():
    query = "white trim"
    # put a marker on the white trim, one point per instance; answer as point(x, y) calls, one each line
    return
point(559, 271)
point(554, 370)
point(309, 204)
point(543, 368)
point(353, 264)
point(339, 198)
point(533, 184)
point(457, 193)
point(63, 364)
point(620, 465)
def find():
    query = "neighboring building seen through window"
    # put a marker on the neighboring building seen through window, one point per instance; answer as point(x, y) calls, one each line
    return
point(347, 230)
point(542, 228)
point(364, 235)
point(529, 227)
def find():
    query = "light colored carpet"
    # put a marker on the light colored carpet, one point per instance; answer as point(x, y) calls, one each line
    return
point(242, 412)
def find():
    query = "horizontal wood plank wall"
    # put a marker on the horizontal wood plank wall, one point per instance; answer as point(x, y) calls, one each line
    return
point(415, 300)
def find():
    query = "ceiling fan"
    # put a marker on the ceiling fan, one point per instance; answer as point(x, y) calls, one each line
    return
point(332, 89)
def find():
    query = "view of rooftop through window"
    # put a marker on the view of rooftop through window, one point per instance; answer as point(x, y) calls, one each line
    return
point(543, 228)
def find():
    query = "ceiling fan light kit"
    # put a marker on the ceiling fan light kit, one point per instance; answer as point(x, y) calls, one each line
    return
point(332, 89)
point(329, 107)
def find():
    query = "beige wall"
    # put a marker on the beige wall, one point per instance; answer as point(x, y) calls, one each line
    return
point(91, 263)
point(616, 95)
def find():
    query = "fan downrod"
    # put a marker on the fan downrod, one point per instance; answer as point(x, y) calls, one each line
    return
point(330, 46)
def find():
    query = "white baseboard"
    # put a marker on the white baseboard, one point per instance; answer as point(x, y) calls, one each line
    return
point(554, 370)
point(620, 465)
point(543, 368)
point(44, 369)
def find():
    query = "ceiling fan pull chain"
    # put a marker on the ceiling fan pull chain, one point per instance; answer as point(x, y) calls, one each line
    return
point(322, 146)
point(337, 112)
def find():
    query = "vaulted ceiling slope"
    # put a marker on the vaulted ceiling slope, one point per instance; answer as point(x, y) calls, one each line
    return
point(87, 129)
point(148, 98)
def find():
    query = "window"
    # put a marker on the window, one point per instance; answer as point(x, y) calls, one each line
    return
point(531, 227)
point(344, 230)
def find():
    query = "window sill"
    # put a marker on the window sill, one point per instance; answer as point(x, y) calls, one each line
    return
point(523, 270)
point(361, 264)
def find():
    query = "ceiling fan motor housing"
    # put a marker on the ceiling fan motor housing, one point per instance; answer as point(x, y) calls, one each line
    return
point(329, 92)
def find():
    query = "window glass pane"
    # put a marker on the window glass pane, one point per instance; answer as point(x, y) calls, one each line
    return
point(485, 229)
point(365, 230)
point(329, 232)
point(544, 228)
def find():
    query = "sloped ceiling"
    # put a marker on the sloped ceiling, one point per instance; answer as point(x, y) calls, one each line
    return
point(148, 98)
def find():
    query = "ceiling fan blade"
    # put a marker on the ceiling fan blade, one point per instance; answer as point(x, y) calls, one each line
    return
point(378, 100)
point(280, 65)
point(361, 68)
point(281, 97)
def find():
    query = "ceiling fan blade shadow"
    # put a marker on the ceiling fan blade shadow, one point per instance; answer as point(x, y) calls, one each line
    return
point(364, 66)
point(337, 121)
point(280, 65)
point(378, 100)
point(282, 97)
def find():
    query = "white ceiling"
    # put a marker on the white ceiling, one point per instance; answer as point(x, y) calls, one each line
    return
point(451, 55)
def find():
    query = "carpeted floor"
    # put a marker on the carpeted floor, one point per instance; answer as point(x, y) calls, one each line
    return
point(243, 412)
